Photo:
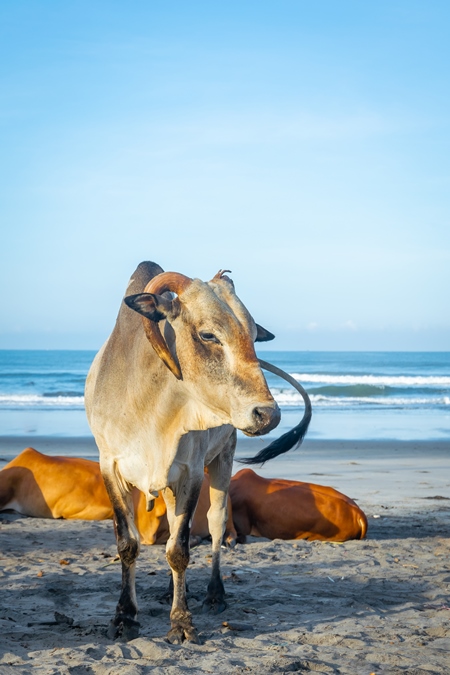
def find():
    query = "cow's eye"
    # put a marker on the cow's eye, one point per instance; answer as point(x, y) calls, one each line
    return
point(209, 337)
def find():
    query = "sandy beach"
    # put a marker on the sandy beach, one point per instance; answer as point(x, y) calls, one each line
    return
point(380, 605)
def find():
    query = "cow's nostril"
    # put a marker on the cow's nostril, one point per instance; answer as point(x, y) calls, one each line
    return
point(266, 417)
point(258, 414)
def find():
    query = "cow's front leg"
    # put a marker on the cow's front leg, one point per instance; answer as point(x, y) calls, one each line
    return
point(219, 473)
point(180, 510)
point(124, 624)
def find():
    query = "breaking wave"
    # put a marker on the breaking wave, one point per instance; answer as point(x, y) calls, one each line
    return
point(288, 399)
point(48, 401)
point(375, 380)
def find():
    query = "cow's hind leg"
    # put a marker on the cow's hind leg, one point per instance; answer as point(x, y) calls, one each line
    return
point(219, 473)
point(180, 510)
point(124, 624)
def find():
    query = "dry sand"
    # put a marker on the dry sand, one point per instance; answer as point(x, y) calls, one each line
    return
point(379, 606)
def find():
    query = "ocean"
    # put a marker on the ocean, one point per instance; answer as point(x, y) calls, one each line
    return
point(355, 395)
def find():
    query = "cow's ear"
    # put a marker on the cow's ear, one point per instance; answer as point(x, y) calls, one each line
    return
point(153, 307)
point(263, 335)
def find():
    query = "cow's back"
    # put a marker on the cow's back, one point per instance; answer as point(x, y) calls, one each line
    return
point(282, 509)
point(120, 354)
point(54, 487)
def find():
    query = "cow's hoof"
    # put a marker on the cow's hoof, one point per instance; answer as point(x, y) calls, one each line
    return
point(178, 634)
point(214, 606)
point(123, 628)
point(230, 543)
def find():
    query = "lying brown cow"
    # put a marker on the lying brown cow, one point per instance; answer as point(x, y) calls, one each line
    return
point(37, 485)
point(287, 509)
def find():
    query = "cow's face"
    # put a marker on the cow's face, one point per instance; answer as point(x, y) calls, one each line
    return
point(209, 337)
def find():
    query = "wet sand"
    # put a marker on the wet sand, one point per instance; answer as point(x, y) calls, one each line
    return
point(381, 605)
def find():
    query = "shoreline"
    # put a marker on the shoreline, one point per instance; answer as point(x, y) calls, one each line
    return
point(247, 445)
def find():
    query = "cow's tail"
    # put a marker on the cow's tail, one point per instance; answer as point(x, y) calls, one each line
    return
point(362, 522)
point(292, 438)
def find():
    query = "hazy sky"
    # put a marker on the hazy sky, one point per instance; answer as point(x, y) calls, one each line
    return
point(303, 145)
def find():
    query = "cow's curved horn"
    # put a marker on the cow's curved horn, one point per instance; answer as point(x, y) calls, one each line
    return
point(176, 283)
point(168, 281)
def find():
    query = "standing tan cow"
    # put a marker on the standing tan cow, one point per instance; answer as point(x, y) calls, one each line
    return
point(164, 397)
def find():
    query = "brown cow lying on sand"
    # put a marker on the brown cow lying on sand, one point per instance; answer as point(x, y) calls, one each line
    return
point(287, 509)
point(37, 485)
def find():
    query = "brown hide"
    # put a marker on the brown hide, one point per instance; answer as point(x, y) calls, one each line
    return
point(37, 485)
point(285, 509)
point(54, 487)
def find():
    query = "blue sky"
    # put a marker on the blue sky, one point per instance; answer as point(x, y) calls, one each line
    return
point(304, 146)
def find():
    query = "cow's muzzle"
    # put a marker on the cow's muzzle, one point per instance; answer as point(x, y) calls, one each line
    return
point(265, 418)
